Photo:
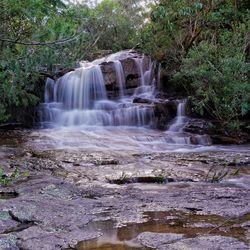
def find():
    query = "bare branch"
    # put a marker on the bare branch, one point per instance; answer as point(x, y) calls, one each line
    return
point(35, 43)
point(89, 46)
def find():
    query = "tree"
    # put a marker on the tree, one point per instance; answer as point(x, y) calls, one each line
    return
point(204, 46)
point(32, 32)
point(37, 34)
point(217, 77)
point(178, 25)
point(117, 22)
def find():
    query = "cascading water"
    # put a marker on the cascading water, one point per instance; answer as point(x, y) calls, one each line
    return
point(80, 97)
point(181, 118)
point(147, 79)
point(118, 90)
point(120, 77)
point(139, 65)
point(175, 134)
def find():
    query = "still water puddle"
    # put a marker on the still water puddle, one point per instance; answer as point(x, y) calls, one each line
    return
point(186, 223)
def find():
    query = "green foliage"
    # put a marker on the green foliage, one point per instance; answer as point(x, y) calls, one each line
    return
point(114, 24)
point(205, 46)
point(171, 31)
point(25, 22)
point(32, 40)
point(178, 25)
point(218, 76)
point(123, 179)
point(160, 175)
point(7, 179)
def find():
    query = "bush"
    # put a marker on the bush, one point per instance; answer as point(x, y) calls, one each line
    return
point(217, 77)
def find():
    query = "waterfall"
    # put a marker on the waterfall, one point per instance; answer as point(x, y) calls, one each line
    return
point(139, 65)
point(175, 130)
point(176, 134)
point(80, 97)
point(148, 84)
point(81, 88)
point(88, 97)
point(120, 77)
point(180, 120)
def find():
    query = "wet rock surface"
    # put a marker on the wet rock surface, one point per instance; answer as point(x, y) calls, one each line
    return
point(131, 72)
point(164, 111)
point(62, 196)
point(178, 242)
point(216, 132)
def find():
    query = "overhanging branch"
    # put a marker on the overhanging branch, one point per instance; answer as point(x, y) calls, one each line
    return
point(35, 43)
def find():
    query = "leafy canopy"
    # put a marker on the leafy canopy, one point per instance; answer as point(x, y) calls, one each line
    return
point(37, 34)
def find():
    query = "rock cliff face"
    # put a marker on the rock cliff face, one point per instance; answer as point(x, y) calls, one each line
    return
point(132, 63)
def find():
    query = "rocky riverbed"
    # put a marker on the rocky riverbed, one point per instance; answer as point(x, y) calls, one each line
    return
point(83, 193)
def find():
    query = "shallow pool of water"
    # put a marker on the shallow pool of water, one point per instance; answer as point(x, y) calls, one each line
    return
point(188, 224)
point(136, 139)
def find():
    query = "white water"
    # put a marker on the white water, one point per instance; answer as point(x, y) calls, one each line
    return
point(139, 64)
point(175, 132)
point(181, 118)
point(120, 77)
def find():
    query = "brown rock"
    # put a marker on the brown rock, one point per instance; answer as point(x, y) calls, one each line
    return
point(164, 111)
point(197, 126)
point(109, 74)
point(142, 100)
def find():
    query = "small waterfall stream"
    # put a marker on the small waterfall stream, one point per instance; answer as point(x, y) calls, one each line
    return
point(139, 65)
point(120, 77)
point(175, 131)
point(181, 118)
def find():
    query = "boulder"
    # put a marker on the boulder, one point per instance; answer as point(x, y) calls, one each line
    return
point(109, 74)
point(215, 131)
point(56, 72)
point(164, 111)
point(110, 80)
point(230, 139)
point(130, 67)
point(198, 126)
point(142, 100)
point(131, 70)
point(200, 140)
point(132, 81)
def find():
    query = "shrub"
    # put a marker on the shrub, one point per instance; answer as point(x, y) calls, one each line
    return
point(217, 77)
